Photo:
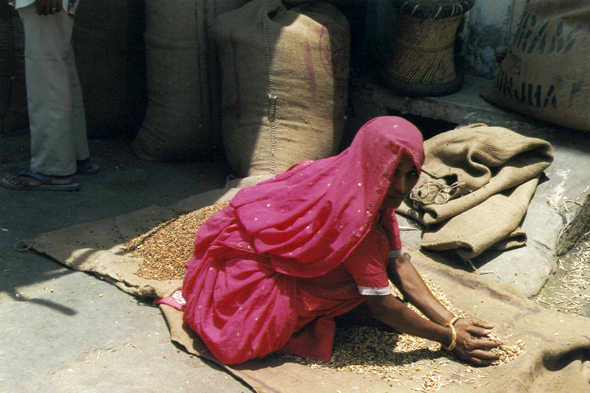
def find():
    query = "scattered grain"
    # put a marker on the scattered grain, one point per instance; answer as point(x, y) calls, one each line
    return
point(393, 356)
point(506, 352)
point(570, 293)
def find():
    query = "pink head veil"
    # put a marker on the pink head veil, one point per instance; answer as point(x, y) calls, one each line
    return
point(308, 219)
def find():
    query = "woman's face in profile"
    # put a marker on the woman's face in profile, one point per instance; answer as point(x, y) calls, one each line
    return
point(403, 180)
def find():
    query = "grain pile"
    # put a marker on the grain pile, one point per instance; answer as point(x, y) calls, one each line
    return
point(397, 357)
point(166, 248)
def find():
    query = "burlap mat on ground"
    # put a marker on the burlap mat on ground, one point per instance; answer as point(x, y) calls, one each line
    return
point(557, 351)
point(556, 357)
point(99, 247)
point(476, 186)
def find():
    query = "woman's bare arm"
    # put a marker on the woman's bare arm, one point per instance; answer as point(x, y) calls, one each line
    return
point(393, 312)
point(406, 278)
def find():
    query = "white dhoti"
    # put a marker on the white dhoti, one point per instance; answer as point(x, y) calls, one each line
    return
point(56, 110)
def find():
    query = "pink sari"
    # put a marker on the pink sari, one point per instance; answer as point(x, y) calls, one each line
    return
point(267, 271)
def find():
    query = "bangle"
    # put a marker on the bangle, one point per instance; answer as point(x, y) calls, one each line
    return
point(453, 334)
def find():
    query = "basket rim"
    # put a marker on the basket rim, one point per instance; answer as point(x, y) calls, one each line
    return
point(416, 9)
point(417, 89)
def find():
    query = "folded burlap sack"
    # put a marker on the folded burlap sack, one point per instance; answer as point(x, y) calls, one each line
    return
point(493, 223)
point(464, 169)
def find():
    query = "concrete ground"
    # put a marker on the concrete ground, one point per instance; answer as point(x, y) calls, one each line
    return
point(65, 331)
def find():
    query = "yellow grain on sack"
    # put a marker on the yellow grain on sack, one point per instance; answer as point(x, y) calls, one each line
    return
point(397, 357)
point(166, 248)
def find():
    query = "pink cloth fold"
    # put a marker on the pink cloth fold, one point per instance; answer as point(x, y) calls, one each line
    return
point(267, 273)
point(308, 219)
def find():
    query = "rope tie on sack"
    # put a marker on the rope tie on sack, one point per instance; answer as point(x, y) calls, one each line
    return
point(23, 245)
point(429, 192)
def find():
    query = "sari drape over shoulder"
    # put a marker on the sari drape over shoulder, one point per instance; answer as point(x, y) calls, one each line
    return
point(272, 270)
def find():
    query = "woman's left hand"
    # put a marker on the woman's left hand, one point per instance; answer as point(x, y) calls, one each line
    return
point(469, 347)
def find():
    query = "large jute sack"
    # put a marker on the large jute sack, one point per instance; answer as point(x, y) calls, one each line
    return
point(545, 74)
point(285, 80)
point(355, 12)
point(110, 59)
point(183, 116)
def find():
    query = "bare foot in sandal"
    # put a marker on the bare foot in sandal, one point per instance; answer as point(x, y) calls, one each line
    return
point(31, 181)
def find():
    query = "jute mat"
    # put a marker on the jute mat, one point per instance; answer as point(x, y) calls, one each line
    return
point(556, 354)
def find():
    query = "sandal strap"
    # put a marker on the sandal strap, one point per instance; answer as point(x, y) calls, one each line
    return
point(43, 179)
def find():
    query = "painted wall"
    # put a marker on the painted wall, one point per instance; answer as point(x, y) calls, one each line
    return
point(486, 34)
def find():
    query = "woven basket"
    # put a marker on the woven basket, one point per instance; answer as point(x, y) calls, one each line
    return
point(423, 62)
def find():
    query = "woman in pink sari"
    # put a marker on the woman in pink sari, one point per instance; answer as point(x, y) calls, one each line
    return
point(272, 270)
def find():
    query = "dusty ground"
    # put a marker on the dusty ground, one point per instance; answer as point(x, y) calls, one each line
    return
point(65, 331)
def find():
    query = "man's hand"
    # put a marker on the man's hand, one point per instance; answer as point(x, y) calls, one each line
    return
point(48, 7)
point(473, 350)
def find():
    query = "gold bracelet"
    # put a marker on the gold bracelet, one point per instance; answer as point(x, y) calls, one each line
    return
point(453, 334)
point(453, 338)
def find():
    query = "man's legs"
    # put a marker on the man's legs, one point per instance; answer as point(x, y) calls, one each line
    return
point(78, 113)
point(56, 110)
point(49, 62)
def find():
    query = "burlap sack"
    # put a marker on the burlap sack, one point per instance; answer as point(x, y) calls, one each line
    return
point(459, 195)
point(183, 117)
point(477, 162)
point(285, 79)
point(110, 60)
point(545, 71)
point(493, 223)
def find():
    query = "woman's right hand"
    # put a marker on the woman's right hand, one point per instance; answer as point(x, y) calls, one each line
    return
point(471, 349)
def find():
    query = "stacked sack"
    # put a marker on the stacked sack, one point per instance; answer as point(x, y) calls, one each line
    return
point(182, 119)
point(284, 84)
point(545, 72)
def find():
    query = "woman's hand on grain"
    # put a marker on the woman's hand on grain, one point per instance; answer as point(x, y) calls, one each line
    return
point(471, 348)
